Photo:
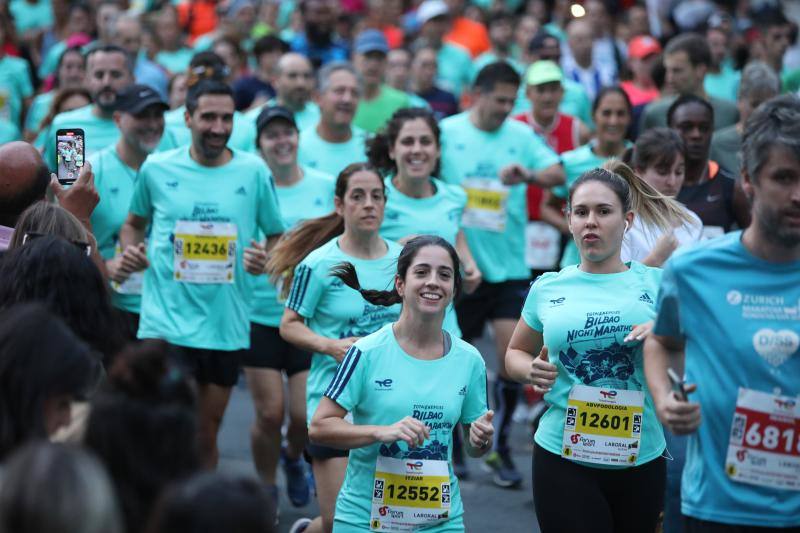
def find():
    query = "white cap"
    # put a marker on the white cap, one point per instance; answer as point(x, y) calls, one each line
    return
point(431, 9)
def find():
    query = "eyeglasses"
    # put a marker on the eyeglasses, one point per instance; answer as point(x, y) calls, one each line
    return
point(85, 247)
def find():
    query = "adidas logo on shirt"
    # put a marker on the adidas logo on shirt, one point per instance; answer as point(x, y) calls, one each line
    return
point(241, 190)
point(463, 391)
point(645, 298)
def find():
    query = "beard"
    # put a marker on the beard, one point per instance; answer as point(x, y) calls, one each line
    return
point(774, 229)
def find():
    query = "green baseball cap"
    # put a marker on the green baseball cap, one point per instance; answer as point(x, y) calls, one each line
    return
point(543, 72)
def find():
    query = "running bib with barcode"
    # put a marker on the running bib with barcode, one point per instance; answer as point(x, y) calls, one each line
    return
point(764, 447)
point(205, 252)
point(132, 285)
point(409, 494)
point(486, 204)
point(603, 426)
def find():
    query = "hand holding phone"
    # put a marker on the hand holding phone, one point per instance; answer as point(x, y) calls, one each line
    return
point(678, 385)
point(70, 154)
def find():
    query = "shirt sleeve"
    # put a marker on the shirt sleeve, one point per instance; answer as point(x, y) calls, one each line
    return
point(269, 215)
point(348, 384)
point(540, 155)
point(306, 292)
point(476, 401)
point(141, 202)
point(668, 319)
point(530, 311)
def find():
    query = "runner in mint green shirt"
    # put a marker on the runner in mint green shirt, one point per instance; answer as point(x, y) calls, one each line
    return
point(407, 387)
point(302, 193)
point(493, 156)
point(16, 89)
point(334, 143)
point(324, 316)
point(579, 341)
point(207, 206)
point(612, 114)
point(139, 116)
point(70, 74)
point(417, 204)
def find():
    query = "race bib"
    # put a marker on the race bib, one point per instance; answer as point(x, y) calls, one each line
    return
point(205, 252)
point(132, 285)
point(542, 246)
point(764, 447)
point(603, 426)
point(409, 494)
point(486, 204)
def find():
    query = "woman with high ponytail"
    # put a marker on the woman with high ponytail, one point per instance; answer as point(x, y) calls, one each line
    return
point(323, 315)
point(579, 341)
point(407, 387)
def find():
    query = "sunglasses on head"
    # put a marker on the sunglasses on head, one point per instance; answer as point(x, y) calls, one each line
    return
point(85, 247)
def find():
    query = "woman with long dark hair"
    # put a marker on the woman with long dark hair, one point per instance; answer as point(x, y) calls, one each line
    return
point(407, 386)
point(322, 315)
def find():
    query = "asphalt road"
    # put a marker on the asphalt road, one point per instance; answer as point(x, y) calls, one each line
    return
point(487, 508)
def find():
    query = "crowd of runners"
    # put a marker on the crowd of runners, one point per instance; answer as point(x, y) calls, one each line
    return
point(333, 200)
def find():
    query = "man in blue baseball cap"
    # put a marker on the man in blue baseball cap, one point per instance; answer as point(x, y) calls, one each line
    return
point(378, 101)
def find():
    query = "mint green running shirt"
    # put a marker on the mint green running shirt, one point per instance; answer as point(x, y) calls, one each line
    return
point(311, 197)
point(242, 138)
point(329, 157)
point(334, 310)
point(438, 215)
point(170, 187)
point(470, 153)
point(115, 182)
point(441, 393)
point(583, 318)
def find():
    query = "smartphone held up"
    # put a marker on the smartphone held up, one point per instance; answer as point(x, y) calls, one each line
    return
point(70, 154)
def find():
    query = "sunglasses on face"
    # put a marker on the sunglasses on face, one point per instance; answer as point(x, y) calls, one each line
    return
point(85, 247)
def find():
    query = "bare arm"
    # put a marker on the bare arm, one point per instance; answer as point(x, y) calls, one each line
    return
point(329, 428)
point(661, 353)
point(550, 212)
point(521, 364)
point(551, 176)
point(584, 133)
point(478, 435)
point(472, 274)
point(134, 254)
point(294, 330)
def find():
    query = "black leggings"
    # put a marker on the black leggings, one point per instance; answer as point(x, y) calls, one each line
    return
point(569, 497)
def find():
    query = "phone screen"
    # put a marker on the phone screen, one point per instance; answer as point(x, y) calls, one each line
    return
point(70, 154)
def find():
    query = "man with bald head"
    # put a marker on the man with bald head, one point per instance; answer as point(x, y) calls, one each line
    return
point(128, 35)
point(294, 86)
point(24, 178)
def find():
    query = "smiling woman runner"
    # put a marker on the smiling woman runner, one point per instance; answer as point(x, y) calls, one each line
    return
point(325, 317)
point(601, 432)
point(407, 386)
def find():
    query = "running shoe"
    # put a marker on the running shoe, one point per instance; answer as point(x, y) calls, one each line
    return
point(297, 485)
point(300, 525)
point(505, 473)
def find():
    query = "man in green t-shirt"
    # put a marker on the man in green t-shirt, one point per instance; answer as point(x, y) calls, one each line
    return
point(686, 61)
point(378, 101)
point(334, 142)
point(205, 204)
point(491, 155)
point(109, 69)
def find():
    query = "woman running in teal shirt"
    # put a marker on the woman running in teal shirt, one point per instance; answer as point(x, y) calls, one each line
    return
point(322, 315)
point(407, 152)
point(597, 452)
point(407, 386)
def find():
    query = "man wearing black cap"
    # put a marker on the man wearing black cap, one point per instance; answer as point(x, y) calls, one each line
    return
point(139, 117)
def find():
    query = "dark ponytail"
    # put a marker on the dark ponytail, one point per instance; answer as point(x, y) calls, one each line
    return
point(347, 271)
